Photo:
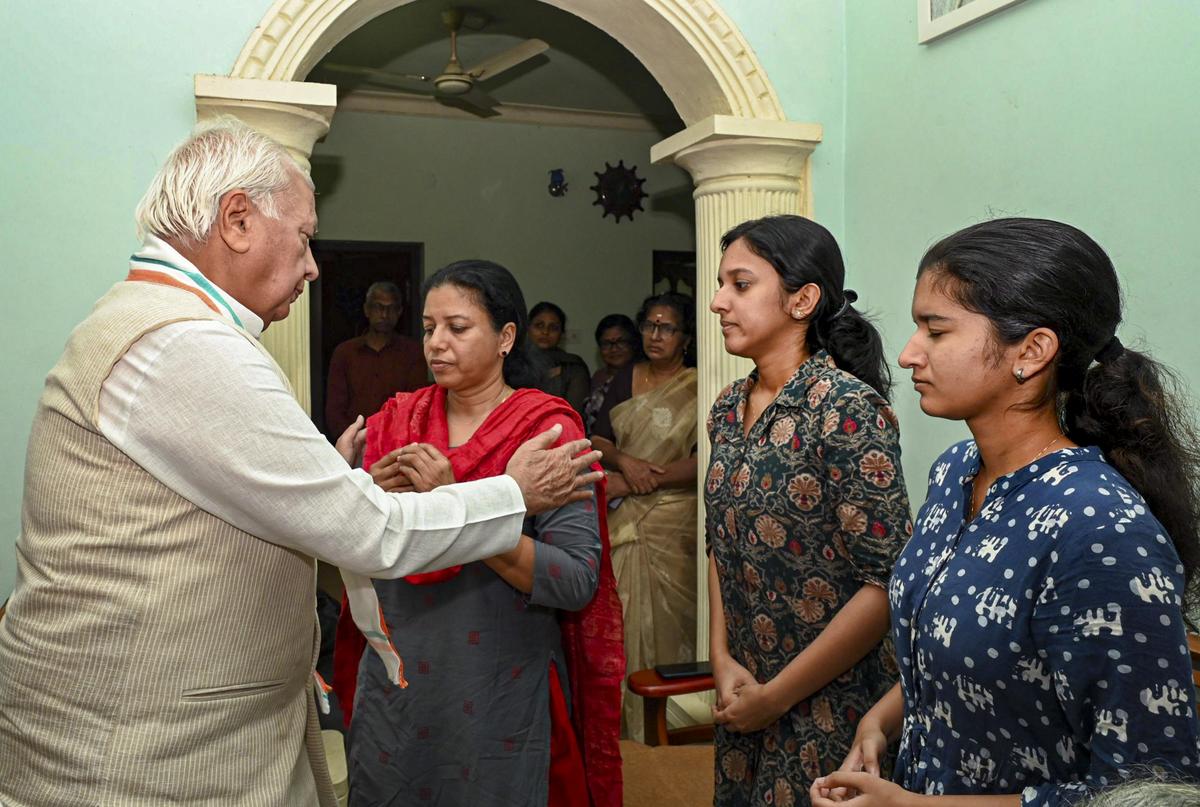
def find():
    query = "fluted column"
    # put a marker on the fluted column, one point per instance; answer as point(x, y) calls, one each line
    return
point(743, 169)
point(296, 114)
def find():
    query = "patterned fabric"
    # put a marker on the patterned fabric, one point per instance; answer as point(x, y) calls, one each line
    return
point(801, 513)
point(654, 536)
point(500, 723)
point(601, 380)
point(150, 645)
point(1041, 644)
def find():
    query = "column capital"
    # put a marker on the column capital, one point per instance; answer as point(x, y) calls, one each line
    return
point(722, 147)
point(295, 113)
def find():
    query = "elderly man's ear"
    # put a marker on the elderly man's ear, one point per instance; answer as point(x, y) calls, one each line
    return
point(234, 220)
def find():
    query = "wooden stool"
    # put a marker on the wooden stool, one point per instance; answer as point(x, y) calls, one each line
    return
point(655, 690)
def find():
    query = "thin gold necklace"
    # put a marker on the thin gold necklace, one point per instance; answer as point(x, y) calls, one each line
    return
point(649, 373)
point(977, 506)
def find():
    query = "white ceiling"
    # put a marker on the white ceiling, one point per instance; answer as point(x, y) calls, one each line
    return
point(583, 69)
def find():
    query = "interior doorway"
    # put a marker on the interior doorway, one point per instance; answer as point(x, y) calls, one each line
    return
point(348, 268)
point(747, 159)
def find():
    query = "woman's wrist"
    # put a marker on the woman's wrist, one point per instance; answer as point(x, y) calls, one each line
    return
point(777, 694)
point(872, 723)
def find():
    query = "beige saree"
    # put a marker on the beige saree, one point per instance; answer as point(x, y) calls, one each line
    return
point(654, 537)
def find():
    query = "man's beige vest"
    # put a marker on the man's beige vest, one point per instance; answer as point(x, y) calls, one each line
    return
point(152, 653)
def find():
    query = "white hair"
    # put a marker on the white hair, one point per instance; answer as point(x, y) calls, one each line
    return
point(219, 156)
point(385, 286)
point(1156, 791)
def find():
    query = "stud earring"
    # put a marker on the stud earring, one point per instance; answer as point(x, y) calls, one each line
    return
point(503, 354)
point(797, 314)
point(1020, 375)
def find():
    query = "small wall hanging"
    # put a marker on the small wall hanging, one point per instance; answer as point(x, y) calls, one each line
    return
point(619, 190)
point(558, 182)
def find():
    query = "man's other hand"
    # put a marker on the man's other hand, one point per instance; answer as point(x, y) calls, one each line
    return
point(350, 444)
point(551, 477)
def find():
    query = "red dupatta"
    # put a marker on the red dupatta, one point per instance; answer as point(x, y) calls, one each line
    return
point(592, 638)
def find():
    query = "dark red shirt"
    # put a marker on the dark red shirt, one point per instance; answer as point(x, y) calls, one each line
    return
point(362, 379)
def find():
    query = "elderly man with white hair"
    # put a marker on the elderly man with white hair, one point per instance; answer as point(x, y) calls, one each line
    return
point(159, 645)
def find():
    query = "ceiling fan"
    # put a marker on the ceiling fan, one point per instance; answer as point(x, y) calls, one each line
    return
point(455, 85)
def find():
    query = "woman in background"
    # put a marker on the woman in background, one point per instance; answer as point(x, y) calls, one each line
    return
point(806, 513)
point(497, 649)
point(1037, 610)
point(620, 343)
point(646, 430)
point(564, 374)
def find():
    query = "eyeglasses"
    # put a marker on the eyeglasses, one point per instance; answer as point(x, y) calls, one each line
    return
point(652, 328)
point(545, 327)
point(614, 344)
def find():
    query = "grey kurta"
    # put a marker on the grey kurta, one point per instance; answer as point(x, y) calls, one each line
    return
point(473, 727)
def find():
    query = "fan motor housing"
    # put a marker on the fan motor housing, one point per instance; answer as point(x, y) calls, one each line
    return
point(453, 85)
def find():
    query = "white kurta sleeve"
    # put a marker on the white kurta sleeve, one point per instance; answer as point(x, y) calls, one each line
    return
point(205, 413)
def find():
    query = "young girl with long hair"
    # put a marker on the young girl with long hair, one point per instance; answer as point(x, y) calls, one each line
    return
point(1037, 610)
point(806, 512)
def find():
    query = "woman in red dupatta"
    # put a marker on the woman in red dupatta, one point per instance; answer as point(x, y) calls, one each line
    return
point(487, 646)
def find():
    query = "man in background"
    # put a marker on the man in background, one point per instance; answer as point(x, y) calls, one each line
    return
point(367, 370)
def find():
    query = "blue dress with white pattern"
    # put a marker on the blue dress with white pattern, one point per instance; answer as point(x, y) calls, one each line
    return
point(1041, 645)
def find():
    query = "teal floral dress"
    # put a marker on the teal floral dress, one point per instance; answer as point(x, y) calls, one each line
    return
point(801, 513)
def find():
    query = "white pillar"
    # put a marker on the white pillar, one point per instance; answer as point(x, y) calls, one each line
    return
point(296, 114)
point(743, 169)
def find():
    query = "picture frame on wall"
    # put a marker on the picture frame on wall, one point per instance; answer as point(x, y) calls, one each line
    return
point(936, 18)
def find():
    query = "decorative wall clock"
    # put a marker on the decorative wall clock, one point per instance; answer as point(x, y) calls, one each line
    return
point(619, 190)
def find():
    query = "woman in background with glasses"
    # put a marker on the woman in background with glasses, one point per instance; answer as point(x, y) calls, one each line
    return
point(620, 343)
point(646, 430)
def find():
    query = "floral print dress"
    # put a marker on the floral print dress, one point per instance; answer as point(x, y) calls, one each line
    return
point(801, 513)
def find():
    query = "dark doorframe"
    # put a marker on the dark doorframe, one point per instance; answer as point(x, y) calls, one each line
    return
point(348, 268)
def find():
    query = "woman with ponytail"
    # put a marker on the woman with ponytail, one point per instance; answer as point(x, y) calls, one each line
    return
point(806, 512)
point(1037, 610)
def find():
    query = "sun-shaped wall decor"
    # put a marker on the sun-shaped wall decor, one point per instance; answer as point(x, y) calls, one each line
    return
point(619, 190)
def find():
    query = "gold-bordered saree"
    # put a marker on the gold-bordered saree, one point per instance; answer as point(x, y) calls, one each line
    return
point(654, 536)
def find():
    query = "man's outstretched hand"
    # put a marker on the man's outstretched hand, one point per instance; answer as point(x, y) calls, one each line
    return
point(551, 477)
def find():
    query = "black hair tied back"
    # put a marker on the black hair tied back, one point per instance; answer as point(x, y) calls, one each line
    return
point(802, 252)
point(495, 289)
point(1024, 274)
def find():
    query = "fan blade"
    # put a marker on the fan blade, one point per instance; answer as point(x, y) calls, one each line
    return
point(490, 68)
point(477, 102)
point(373, 73)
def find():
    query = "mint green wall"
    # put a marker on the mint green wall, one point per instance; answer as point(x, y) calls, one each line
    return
point(95, 97)
point(474, 189)
point(1080, 110)
point(801, 46)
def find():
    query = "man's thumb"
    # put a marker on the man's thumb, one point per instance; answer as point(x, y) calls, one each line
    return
point(547, 438)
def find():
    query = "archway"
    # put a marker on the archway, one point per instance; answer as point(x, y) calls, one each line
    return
point(745, 158)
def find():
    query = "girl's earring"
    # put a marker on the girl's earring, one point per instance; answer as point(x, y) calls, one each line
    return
point(1020, 375)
